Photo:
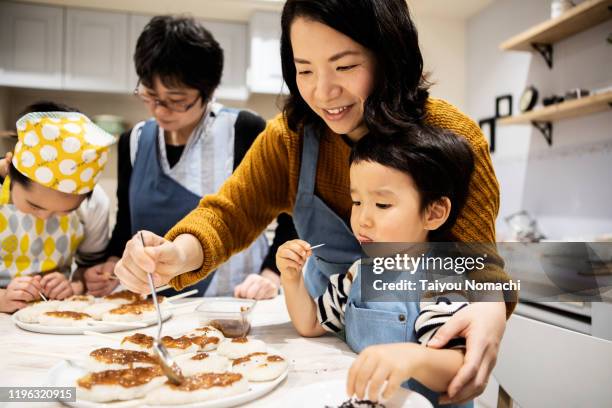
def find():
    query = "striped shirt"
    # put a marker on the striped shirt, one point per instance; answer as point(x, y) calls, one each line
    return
point(331, 306)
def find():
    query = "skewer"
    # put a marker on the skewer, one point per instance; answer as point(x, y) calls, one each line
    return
point(182, 295)
point(43, 296)
point(181, 305)
point(316, 246)
point(43, 354)
point(157, 290)
point(101, 335)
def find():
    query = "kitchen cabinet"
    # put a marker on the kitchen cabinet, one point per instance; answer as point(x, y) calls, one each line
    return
point(96, 57)
point(265, 73)
point(136, 24)
point(31, 45)
point(232, 37)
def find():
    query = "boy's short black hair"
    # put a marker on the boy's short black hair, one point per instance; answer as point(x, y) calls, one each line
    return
point(440, 163)
point(180, 51)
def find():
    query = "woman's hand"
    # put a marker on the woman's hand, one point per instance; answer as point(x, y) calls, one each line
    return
point(290, 259)
point(56, 286)
point(98, 278)
point(259, 286)
point(482, 325)
point(162, 258)
point(19, 291)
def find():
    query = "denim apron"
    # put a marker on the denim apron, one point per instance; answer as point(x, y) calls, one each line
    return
point(157, 202)
point(366, 323)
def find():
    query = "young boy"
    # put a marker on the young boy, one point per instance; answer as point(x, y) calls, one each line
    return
point(51, 211)
point(406, 188)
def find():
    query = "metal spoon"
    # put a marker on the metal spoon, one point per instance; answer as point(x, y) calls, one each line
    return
point(169, 367)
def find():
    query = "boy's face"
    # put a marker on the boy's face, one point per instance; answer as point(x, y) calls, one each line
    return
point(43, 202)
point(168, 119)
point(386, 205)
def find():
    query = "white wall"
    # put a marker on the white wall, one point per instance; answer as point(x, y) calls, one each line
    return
point(567, 186)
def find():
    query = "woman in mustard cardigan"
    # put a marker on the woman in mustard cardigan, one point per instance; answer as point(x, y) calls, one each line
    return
point(351, 67)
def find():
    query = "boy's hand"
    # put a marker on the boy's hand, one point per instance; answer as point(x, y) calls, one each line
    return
point(290, 258)
point(4, 164)
point(56, 286)
point(19, 291)
point(98, 278)
point(393, 363)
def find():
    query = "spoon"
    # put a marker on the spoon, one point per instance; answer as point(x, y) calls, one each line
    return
point(169, 367)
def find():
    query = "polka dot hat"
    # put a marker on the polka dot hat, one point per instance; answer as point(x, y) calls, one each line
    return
point(61, 150)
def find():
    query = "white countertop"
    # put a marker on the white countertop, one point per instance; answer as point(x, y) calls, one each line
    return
point(311, 360)
point(315, 360)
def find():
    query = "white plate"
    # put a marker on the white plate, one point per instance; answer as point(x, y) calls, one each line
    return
point(65, 375)
point(333, 393)
point(100, 328)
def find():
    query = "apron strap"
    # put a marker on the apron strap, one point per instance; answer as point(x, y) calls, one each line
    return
point(310, 157)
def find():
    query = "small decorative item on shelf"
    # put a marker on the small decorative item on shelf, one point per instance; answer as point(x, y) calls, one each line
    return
point(524, 227)
point(529, 98)
point(576, 94)
point(488, 128)
point(558, 7)
point(551, 100)
point(503, 106)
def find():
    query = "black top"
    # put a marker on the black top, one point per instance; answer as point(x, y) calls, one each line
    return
point(246, 128)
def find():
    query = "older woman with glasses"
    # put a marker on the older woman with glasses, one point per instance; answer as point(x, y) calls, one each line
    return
point(187, 150)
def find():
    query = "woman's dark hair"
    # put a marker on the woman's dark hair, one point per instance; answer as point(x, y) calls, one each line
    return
point(385, 28)
point(180, 51)
point(440, 163)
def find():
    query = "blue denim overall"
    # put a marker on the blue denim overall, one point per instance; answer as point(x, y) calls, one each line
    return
point(367, 323)
point(157, 202)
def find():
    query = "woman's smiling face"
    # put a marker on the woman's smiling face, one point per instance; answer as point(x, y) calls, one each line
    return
point(334, 75)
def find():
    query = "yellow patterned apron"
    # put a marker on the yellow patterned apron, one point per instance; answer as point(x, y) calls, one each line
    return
point(31, 245)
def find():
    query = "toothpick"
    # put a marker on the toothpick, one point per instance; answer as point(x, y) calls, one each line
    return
point(316, 246)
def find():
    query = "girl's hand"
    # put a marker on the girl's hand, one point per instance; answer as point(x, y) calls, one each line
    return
point(98, 278)
point(482, 325)
point(56, 286)
point(18, 292)
point(393, 363)
point(259, 286)
point(290, 259)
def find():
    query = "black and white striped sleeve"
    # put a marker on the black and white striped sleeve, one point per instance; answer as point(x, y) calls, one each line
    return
point(332, 303)
point(432, 316)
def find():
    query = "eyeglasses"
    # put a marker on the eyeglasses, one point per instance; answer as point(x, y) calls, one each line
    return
point(172, 106)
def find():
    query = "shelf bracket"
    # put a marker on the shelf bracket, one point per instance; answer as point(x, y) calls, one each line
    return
point(546, 51)
point(546, 129)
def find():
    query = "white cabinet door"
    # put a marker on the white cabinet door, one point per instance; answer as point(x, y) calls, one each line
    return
point(96, 51)
point(232, 37)
point(265, 72)
point(31, 45)
point(137, 24)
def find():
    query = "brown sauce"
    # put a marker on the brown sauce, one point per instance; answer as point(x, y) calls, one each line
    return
point(113, 356)
point(231, 328)
point(136, 309)
point(139, 339)
point(206, 381)
point(200, 356)
point(203, 341)
point(127, 378)
point(69, 315)
point(125, 295)
point(246, 358)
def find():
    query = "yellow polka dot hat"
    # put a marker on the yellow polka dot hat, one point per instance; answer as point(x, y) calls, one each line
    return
point(64, 151)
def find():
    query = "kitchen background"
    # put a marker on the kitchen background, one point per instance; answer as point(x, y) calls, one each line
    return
point(79, 52)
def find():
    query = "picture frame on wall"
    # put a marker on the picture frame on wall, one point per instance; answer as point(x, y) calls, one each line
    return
point(488, 129)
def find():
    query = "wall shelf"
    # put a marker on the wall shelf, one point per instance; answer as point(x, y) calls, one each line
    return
point(543, 118)
point(541, 37)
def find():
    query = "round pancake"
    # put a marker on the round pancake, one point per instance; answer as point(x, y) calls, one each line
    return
point(198, 388)
point(240, 347)
point(64, 318)
point(260, 366)
point(201, 362)
point(113, 385)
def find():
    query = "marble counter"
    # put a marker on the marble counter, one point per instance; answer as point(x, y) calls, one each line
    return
point(322, 359)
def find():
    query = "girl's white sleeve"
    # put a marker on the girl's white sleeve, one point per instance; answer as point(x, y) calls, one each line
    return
point(94, 216)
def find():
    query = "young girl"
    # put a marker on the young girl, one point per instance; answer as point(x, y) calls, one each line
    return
point(51, 211)
point(406, 188)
